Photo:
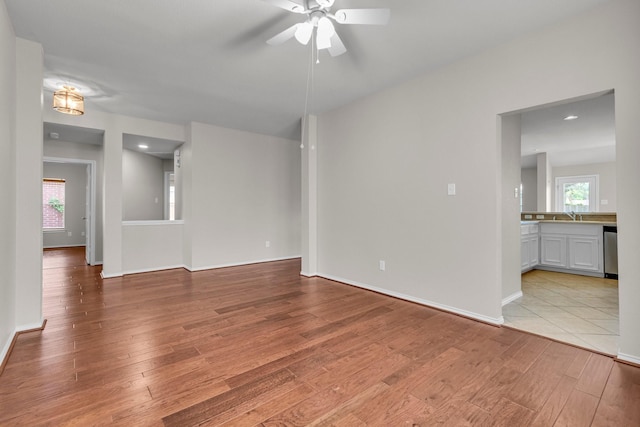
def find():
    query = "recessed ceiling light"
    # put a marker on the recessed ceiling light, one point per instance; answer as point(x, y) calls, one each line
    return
point(571, 117)
point(143, 146)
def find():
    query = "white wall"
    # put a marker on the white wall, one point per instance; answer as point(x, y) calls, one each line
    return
point(244, 191)
point(384, 163)
point(508, 219)
point(80, 151)
point(75, 177)
point(7, 177)
point(114, 126)
point(143, 186)
point(150, 246)
point(529, 178)
point(28, 172)
point(607, 182)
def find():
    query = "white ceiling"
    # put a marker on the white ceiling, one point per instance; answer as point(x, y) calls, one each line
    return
point(207, 60)
point(588, 139)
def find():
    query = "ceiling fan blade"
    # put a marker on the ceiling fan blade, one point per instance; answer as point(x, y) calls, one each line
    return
point(287, 5)
point(337, 47)
point(283, 36)
point(363, 16)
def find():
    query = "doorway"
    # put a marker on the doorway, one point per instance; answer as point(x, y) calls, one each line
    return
point(89, 201)
point(577, 309)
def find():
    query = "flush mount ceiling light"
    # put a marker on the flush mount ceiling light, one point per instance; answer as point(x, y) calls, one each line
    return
point(320, 19)
point(68, 101)
point(571, 117)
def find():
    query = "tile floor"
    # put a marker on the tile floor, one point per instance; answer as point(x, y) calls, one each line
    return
point(579, 310)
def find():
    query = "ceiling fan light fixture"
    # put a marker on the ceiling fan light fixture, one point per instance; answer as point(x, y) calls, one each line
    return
point(304, 32)
point(68, 101)
point(325, 3)
point(326, 30)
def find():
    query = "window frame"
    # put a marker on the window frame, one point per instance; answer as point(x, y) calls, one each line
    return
point(64, 216)
point(594, 190)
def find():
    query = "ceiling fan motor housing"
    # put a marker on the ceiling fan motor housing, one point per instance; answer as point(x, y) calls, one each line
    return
point(318, 4)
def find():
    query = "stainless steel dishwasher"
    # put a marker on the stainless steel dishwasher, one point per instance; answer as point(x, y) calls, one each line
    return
point(610, 251)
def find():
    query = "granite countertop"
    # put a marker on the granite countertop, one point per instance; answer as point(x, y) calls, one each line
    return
point(552, 221)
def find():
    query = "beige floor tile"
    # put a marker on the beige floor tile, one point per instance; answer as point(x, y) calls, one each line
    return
point(579, 310)
point(562, 301)
point(579, 326)
point(569, 338)
point(552, 312)
point(513, 309)
point(589, 313)
point(596, 302)
point(613, 326)
point(604, 343)
point(535, 325)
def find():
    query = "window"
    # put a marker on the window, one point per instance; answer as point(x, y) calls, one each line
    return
point(53, 204)
point(577, 193)
point(169, 196)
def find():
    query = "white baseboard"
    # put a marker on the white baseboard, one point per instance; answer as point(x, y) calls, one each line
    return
point(443, 307)
point(511, 298)
point(64, 246)
point(5, 348)
point(238, 264)
point(12, 337)
point(305, 274)
point(629, 358)
point(29, 326)
point(109, 276)
point(149, 270)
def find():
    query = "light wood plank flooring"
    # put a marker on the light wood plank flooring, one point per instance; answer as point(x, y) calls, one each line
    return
point(261, 345)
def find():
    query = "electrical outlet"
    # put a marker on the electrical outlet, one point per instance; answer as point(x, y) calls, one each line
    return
point(539, 216)
point(267, 244)
point(69, 233)
point(382, 265)
point(527, 216)
point(82, 233)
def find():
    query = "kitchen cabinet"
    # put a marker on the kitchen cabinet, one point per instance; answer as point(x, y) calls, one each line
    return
point(584, 253)
point(571, 247)
point(553, 250)
point(529, 246)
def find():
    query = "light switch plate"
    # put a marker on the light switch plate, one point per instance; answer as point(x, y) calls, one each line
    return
point(451, 189)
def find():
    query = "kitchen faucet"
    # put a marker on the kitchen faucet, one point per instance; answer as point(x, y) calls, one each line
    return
point(571, 215)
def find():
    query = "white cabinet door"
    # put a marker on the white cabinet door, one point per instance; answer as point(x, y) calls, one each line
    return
point(524, 253)
point(553, 250)
point(534, 250)
point(584, 253)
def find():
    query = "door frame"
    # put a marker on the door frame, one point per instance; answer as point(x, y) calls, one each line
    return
point(90, 228)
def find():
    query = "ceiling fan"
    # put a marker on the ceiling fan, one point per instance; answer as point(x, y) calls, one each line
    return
point(320, 20)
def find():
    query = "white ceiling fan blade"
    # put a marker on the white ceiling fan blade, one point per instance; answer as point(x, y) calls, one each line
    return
point(363, 16)
point(283, 36)
point(337, 47)
point(287, 5)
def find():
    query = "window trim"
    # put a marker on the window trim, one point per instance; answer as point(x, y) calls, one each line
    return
point(64, 217)
point(594, 196)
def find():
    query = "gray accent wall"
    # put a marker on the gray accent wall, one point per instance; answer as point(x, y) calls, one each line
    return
point(142, 186)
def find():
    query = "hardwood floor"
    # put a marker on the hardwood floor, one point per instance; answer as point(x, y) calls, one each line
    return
point(261, 345)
